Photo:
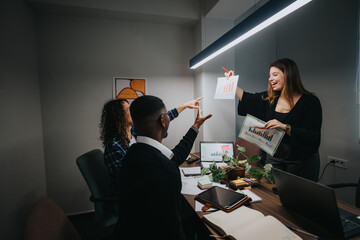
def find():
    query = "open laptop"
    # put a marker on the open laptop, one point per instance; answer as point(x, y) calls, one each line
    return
point(211, 151)
point(316, 202)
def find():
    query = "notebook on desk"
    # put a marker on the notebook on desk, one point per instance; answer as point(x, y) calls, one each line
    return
point(211, 151)
point(316, 202)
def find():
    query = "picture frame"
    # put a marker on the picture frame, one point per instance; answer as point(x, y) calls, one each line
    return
point(129, 88)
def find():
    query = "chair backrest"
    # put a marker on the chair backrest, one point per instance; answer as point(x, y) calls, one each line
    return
point(352, 184)
point(92, 167)
point(357, 197)
point(47, 221)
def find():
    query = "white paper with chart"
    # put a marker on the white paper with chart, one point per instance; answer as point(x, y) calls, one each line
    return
point(253, 131)
point(226, 88)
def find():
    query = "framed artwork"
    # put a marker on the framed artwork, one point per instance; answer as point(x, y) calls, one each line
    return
point(128, 88)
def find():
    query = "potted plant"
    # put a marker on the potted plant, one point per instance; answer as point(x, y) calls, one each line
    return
point(237, 168)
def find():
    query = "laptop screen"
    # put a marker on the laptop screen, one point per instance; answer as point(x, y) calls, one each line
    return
point(309, 199)
point(213, 151)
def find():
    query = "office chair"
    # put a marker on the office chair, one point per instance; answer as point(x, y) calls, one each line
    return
point(47, 221)
point(92, 167)
point(357, 193)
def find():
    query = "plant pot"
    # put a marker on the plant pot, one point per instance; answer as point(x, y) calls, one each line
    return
point(235, 173)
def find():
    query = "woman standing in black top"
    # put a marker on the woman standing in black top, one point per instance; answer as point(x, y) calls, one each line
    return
point(288, 106)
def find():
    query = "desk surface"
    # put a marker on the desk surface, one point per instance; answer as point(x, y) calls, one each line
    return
point(271, 205)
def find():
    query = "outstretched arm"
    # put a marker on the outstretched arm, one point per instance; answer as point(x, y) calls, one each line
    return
point(200, 119)
point(239, 92)
point(174, 113)
point(191, 104)
point(182, 150)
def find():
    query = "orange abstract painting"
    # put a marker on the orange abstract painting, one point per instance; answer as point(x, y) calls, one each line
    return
point(129, 88)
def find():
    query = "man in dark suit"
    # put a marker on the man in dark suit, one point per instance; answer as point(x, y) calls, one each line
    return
point(150, 181)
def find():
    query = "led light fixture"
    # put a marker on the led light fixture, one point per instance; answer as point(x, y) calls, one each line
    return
point(269, 13)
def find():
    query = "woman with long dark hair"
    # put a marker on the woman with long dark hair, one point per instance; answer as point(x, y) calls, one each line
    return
point(288, 106)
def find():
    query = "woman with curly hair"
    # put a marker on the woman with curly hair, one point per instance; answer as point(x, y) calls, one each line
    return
point(117, 133)
point(288, 106)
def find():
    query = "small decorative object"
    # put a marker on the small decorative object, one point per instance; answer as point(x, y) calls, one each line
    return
point(204, 184)
point(239, 183)
point(251, 181)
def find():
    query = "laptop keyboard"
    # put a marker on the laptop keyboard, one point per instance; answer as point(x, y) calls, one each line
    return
point(348, 224)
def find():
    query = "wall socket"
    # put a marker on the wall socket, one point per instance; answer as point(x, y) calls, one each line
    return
point(337, 162)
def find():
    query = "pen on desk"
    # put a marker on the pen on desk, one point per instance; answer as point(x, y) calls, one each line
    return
point(301, 231)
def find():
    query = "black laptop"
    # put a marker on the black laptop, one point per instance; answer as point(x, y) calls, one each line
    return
point(316, 202)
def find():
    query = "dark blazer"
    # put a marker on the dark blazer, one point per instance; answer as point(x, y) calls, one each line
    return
point(150, 187)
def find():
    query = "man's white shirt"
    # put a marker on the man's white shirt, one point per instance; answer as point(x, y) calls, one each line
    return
point(152, 142)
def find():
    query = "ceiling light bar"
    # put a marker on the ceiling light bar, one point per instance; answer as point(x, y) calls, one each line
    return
point(271, 12)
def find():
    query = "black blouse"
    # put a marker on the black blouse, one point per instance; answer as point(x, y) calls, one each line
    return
point(305, 119)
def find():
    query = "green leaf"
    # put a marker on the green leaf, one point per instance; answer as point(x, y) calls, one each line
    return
point(254, 158)
point(269, 177)
point(205, 171)
point(241, 149)
point(256, 173)
point(268, 167)
point(226, 158)
point(218, 175)
point(213, 167)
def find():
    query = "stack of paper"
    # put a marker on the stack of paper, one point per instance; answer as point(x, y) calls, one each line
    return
point(204, 184)
point(254, 197)
point(191, 171)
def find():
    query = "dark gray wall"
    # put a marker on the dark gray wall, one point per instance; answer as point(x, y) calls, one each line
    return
point(322, 38)
point(22, 171)
point(78, 59)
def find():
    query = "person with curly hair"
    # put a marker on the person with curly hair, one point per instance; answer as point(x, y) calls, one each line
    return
point(288, 106)
point(117, 133)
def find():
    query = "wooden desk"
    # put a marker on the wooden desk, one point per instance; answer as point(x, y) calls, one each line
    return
point(271, 205)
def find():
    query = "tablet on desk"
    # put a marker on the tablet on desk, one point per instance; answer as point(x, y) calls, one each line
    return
point(222, 198)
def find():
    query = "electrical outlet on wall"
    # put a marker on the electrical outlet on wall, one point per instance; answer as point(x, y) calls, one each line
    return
point(337, 162)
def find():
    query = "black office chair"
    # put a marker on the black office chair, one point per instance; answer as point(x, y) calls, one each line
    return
point(92, 167)
point(47, 221)
point(357, 194)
